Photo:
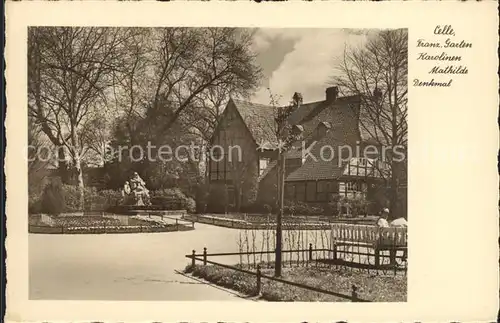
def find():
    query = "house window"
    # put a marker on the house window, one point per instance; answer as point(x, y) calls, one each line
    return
point(219, 170)
point(351, 186)
point(352, 189)
point(362, 162)
point(263, 162)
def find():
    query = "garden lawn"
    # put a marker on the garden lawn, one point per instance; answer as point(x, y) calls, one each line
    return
point(371, 287)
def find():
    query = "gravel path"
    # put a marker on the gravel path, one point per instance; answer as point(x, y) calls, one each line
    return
point(122, 266)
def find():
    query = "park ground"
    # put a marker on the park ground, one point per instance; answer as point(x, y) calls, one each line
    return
point(123, 266)
point(142, 266)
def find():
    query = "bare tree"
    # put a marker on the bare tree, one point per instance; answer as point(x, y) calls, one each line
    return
point(69, 72)
point(178, 81)
point(95, 138)
point(377, 73)
point(188, 63)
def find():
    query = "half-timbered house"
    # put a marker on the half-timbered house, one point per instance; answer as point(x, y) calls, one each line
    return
point(328, 159)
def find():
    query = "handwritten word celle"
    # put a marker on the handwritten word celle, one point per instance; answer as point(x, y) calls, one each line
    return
point(444, 30)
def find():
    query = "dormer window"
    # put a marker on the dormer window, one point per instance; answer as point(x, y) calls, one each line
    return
point(263, 163)
point(297, 129)
point(322, 129)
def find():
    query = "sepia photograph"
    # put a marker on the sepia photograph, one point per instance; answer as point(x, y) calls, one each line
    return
point(185, 166)
point(245, 164)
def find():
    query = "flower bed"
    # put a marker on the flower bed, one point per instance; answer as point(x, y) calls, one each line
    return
point(370, 287)
point(83, 221)
point(147, 220)
point(100, 224)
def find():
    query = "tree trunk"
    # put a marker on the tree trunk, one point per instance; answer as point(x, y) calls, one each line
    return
point(393, 213)
point(62, 165)
point(281, 200)
point(78, 167)
point(394, 191)
point(81, 187)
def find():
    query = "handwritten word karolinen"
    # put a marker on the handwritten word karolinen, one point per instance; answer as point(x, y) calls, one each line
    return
point(442, 57)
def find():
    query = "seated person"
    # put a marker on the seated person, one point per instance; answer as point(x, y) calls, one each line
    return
point(382, 220)
point(399, 223)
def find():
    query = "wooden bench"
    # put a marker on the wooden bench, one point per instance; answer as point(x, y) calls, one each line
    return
point(378, 239)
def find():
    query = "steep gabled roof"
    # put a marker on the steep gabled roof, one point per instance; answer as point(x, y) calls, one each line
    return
point(259, 119)
point(303, 111)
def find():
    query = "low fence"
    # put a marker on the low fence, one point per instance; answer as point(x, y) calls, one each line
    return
point(203, 258)
point(369, 234)
point(367, 247)
point(106, 223)
point(245, 224)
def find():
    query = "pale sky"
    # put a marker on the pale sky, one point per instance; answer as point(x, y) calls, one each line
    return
point(300, 60)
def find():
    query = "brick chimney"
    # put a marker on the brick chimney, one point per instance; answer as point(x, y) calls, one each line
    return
point(297, 99)
point(332, 93)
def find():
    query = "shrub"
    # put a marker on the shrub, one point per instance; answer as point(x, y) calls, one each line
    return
point(201, 198)
point(173, 198)
point(301, 208)
point(101, 200)
point(71, 198)
point(358, 204)
point(190, 205)
point(217, 199)
point(95, 200)
point(53, 201)
point(257, 208)
point(35, 203)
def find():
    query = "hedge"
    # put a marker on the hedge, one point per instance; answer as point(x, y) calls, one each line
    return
point(100, 200)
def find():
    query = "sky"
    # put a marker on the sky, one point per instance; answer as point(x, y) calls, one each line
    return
point(300, 60)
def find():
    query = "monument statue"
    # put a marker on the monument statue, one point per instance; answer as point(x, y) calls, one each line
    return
point(135, 191)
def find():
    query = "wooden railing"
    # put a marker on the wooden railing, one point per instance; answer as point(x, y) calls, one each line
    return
point(369, 235)
point(203, 258)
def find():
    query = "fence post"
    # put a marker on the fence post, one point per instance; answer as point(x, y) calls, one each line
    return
point(193, 260)
point(377, 257)
point(335, 250)
point(354, 293)
point(177, 224)
point(258, 280)
point(310, 252)
point(205, 256)
point(393, 252)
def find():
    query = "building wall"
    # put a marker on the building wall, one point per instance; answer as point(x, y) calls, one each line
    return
point(267, 189)
point(234, 164)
